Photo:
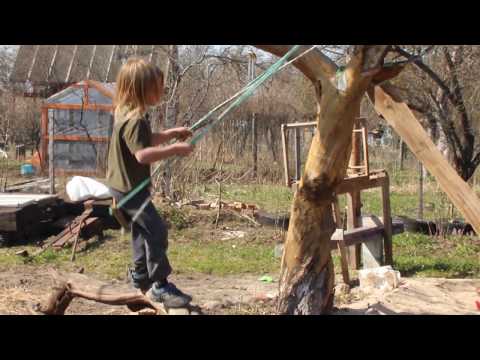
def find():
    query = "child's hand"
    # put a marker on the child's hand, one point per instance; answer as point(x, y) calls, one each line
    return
point(181, 133)
point(182, 149)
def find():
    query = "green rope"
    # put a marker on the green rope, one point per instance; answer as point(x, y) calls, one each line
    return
point(243, 95)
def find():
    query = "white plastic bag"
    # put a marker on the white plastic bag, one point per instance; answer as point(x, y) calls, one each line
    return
point(82, 188)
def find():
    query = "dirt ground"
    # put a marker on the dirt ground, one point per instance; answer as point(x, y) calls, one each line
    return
point(22, 288)
point(418, 296)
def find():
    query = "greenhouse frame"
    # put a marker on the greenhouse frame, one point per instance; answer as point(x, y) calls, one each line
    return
point(80, 121)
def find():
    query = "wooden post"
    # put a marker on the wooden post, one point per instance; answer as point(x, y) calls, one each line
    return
point(341, 245)
point(402, 154)
point(420, 191)
point(251, 76)
point(354, 201)
point(51, 154)
point(366, 158)
point(387, 221)
point(298, 159)
point(254, 145)
point(171, 109)
point(285, 154)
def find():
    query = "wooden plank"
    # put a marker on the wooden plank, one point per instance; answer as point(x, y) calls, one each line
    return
point(341, 244)
point(354, 220)
point(285, 154)
point(73, 229)
point(387, 222)
point(44, 143)
point(354, 202)
point(51, 155)
point(366, 233)
point(403, 121)
point(79, 138)
point(366, 159)
point(298, 155)
point(18, 200)
point(354, 184)
point(301, 125)
point(94, 107)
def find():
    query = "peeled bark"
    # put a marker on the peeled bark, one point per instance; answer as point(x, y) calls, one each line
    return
point(307, 275)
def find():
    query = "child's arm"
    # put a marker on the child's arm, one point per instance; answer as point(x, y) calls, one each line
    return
point(153, 154)
point(162, 137)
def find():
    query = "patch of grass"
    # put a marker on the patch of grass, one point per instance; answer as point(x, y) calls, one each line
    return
point(109, 259)
point(223, 258)
point(422, 255)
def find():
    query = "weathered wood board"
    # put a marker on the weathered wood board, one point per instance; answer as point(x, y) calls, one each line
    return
point(399, 116)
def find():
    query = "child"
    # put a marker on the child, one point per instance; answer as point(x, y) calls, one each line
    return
point(133, 148)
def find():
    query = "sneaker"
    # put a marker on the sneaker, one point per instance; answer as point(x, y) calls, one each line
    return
point(140, 281)
point(169, 295)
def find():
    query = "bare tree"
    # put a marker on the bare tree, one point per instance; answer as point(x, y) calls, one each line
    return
point(442, 87)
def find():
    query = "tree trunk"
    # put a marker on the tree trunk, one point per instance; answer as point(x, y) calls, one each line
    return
point(307, 275)
point(307, 278)
point(171, 109)
point(251, 76)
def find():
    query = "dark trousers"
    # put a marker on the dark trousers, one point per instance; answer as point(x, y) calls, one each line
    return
point(149, 237)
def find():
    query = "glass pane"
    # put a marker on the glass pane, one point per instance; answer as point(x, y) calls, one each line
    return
point(95, 97)
point(80, 156)
point(82, 123)
point(68, 96)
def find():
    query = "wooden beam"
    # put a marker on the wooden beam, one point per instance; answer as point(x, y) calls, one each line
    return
point(364, 234)
point(301, 125)
point(285, 154)
point(51, 155)
point(44, 132)
point(79, 138)
point(399, 116)
point(354, 200)
point(353, 184)
point(94, 107)
point(387, 222)
point(298, 155)
point(341, 244)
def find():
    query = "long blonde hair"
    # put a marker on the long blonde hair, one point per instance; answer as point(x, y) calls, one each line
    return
point(136, 80)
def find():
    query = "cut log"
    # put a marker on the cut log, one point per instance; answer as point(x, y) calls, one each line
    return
point(399, 116)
